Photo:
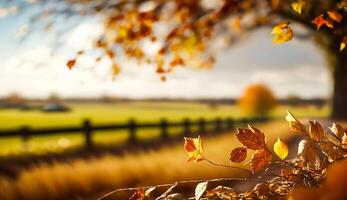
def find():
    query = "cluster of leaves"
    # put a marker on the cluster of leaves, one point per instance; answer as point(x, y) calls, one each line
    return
point(316, 152)
point(192, 26)
point(173, 33)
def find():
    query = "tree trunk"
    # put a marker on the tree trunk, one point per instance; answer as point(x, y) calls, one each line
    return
point(339, 98)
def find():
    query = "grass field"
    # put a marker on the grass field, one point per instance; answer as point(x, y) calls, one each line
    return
point(112, 113)
point(80, 179)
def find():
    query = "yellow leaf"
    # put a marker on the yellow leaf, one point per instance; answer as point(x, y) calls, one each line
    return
point(282, 33)
point(297, 6)
point(294, 124)
point(343, 43)
point(194, 149)
point(281, 149)
point(115, 70)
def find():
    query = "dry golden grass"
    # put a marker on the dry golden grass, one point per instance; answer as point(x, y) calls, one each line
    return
point(81, 177)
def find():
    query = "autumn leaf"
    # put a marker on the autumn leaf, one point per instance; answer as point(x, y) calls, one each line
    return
point(194, 149)
point(316, 131)
point(343, 43)
point(297, 6)
point(238, 154)
point(115, 70)
point(71, 63)
point(252, 138)
point(321, 21)
point(220, 192)
point(309, 154)
point(337, 130)
point(281, 149)
point(260, 159)
point(332, 152)
point(344, 141)
point(334, 15)
point(294, 124)
point(282, 33)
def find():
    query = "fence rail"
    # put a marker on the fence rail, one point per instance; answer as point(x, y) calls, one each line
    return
point(132, 126)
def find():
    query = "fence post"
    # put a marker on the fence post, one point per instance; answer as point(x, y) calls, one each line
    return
point(164, 128)
point(87, 128)
point(186, 127)
point(132, 131)
point(202, 126)
point(25, 131)
point(230, 123)
point(218, 124)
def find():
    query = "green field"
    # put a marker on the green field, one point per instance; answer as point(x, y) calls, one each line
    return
point(113, 113)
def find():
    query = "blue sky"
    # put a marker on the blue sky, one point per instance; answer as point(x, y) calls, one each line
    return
point(296, 67)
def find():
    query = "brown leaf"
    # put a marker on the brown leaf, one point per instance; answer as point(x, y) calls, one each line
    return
point(194, 149)
point(221, 192)
point(238, 154)
point(344, 141)
point(337, 130)
point(316, 131)
point(260, 159)
point(309, 154)
point(294, 124)
point(252, 138)
point(331, 151)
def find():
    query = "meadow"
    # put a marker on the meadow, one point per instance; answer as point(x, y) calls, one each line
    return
point(89, 179)
point(100, 113)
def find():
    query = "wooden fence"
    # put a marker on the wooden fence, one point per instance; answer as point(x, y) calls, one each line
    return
point(132, 126)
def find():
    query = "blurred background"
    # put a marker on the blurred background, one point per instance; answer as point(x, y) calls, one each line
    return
point(82, 132)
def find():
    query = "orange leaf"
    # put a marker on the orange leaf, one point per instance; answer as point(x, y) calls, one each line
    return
point(71, 63)
point(337, 17)
point(321, 21)
point(260, 159)
point(252, 138)
point(138, 195)
point(281, 149)
point(194, 149)
point(238, 154)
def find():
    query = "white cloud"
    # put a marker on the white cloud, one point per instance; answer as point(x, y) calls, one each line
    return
point(38, 73)
point(83, 35)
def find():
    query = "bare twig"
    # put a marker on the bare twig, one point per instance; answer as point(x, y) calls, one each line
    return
point(178, 183)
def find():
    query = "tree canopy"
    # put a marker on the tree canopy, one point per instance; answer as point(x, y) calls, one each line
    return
point(174, 33)
point(185, 29)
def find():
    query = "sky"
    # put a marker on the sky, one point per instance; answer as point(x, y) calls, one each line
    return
point(35, 69)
